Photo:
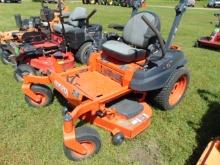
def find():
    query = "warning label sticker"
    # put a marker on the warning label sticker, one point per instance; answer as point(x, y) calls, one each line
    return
point(139, 119)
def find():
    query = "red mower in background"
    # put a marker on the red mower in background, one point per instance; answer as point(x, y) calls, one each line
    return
point(74, 35)
point(212, 41)
point(38, 56)
point(35, 28)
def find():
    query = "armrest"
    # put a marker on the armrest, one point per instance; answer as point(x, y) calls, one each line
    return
point(116, 27)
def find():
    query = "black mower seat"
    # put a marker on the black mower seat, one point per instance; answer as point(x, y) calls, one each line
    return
point(68, 28)
point(135, 33)
point(123, 52)
point(73, 23)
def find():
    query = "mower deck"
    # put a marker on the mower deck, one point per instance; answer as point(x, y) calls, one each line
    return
point(96, 101)
point(127, 116)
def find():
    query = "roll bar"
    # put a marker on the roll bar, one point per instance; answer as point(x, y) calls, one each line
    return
point(180, 9)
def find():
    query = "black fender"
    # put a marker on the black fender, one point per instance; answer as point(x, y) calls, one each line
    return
point(155, 77)
point(76, 39)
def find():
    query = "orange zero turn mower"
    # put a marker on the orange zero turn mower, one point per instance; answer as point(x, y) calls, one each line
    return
point(111, 91)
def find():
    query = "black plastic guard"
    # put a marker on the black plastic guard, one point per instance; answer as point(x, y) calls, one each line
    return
point(156, 76)
point(128, 108)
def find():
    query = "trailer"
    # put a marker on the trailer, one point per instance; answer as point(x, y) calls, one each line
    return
point(10, 1)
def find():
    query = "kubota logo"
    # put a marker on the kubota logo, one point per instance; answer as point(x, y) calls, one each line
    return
point(61, 87)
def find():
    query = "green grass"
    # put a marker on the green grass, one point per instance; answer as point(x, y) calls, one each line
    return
point(34, 136)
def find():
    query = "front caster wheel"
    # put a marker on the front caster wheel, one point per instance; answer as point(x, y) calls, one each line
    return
point(87, 137)
point(173, 92)
point(118, 139)
point(45, 94)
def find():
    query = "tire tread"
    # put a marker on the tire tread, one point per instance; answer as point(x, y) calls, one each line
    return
point(160, 97)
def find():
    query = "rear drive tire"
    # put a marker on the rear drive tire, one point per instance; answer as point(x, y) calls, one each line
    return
point(89, 138)
point(84, 53)
point(44, 92)
point(22, 70)
point(173, 92)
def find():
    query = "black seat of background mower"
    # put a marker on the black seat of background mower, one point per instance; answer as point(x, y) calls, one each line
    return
point(76, 18)
point(128, 108)
point(135, 33)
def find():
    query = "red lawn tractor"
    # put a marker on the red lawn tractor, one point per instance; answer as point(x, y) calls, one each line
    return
point(212, 41)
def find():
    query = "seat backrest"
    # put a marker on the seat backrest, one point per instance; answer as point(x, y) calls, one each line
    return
point(78, 14)
point(137, 33)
